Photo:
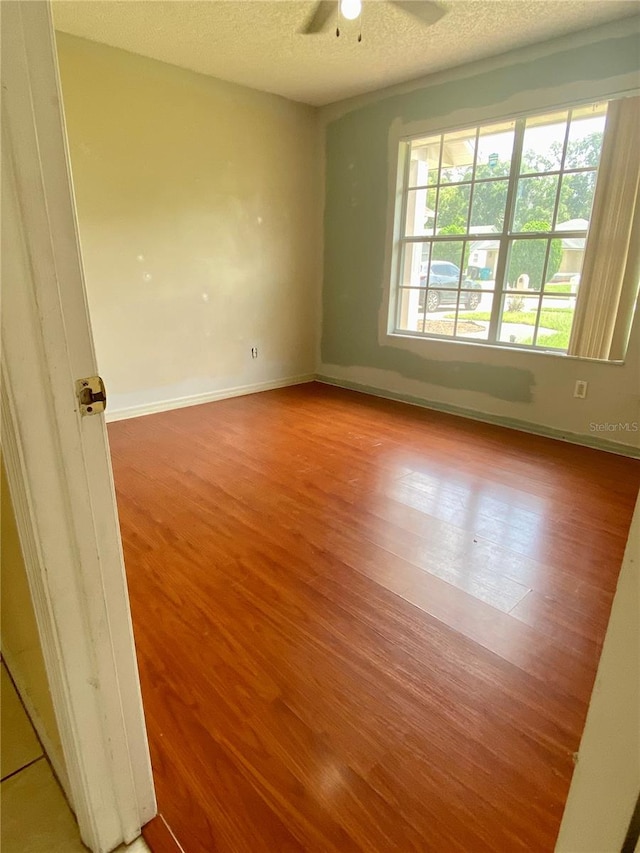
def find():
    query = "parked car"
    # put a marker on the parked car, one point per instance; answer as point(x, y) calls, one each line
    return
point(445, 276)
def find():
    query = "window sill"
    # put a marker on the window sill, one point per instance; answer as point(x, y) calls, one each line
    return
point(394, 338)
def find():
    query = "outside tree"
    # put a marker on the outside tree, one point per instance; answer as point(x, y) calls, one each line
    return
point(452, 251)
point(527, 256)
point(536, 195)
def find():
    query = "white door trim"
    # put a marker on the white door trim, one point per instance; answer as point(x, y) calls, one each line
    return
point(58, 464)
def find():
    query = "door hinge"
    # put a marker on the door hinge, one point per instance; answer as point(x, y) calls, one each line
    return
point(92, 395)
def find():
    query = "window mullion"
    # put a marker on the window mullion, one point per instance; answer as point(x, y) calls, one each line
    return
point(473, 182)
point(406, 166)
point(516, 159)
point(554, 217)
point(534, 339)
point(435, 206)
point(419, 240)
point(405, 191)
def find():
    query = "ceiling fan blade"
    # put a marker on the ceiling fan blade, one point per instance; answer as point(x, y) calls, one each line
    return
point(425, 11)
point(320, 17)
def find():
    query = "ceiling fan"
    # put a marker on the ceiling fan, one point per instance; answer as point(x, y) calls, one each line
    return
point(426, 11)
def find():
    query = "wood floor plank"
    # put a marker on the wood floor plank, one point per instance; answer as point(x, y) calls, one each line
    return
point(159, 837)
point(363, 626)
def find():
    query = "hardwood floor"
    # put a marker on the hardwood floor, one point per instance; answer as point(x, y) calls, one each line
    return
point(364, 626)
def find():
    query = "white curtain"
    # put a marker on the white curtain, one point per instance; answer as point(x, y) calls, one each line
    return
point(611, 270)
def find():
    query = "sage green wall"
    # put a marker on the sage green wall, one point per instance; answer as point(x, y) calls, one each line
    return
point(500, 384)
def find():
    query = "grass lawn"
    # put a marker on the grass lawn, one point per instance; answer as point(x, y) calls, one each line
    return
point(560, 287)
point(558, 319)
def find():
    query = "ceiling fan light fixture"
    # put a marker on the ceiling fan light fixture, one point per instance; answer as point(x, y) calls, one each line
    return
point(350, 9)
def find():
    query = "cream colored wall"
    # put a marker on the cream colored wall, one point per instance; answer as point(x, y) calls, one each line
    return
point(606, 781)
point(20, 642)
point(199, 215)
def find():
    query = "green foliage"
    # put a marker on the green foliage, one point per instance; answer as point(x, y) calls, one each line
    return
point(456, 227)
point(576, 196)
point(489, 202)
point(488, 206)
point(535, 203)
point(536, 197)
point(452, 251)
point(561, 287)
point(453, 206)
point(527, 256)
point(561, 321)
point(558, 319)
point(581, 154)
point(515, 303)
point(525, 317)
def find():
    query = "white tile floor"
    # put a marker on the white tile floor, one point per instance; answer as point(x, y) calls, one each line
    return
point(35, 814)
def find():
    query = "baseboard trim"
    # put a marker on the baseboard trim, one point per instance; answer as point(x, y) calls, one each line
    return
point(37, 722)
point(511, 423)
point(471, 414)
point(207, 397)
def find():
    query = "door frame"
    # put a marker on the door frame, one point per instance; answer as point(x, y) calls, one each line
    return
point(58, 463)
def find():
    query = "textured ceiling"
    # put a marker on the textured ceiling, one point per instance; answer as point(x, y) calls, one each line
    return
point(257, 42)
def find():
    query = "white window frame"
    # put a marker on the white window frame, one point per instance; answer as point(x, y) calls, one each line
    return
point(503, 239)
point(518, 106)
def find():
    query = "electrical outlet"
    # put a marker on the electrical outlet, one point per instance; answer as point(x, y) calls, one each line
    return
point(254, 352)
point(580, 390)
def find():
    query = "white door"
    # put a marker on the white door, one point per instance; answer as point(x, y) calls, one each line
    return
point(58, 463)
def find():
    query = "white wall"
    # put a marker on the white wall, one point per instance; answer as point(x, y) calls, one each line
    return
point(198, 208)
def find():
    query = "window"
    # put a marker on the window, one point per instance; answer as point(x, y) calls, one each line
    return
point(492, 225)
